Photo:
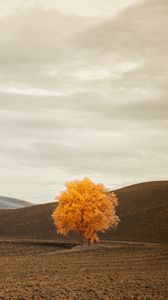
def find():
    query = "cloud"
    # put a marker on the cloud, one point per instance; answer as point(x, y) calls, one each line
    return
point(82, 96)
point(29, 39)
point(77, 7)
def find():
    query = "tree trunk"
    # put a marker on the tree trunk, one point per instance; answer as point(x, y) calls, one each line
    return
point(81, 238)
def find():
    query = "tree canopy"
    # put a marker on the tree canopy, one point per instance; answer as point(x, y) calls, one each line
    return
point(87, 208)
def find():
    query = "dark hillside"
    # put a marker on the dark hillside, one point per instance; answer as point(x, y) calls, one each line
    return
point(143, 210)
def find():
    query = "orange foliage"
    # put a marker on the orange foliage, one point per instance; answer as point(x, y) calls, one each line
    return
point(87, 208)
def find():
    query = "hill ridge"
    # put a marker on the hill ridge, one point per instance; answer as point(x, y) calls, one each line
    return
point(12, 203)
point(143, 213)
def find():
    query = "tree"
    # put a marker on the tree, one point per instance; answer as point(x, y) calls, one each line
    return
point(86, 208)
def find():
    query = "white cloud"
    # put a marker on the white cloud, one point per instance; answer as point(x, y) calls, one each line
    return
point(32, 91)
point(79, 7)
point(82, 96)
point(98, 73)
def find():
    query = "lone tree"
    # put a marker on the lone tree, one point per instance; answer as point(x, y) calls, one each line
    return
point(86, 208)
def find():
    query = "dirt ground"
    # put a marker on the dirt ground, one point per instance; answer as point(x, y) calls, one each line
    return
point(118, 271)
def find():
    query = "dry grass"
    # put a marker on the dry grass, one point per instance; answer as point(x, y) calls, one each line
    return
point(127, 271)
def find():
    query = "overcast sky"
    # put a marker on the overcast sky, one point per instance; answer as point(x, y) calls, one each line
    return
point(83, 93)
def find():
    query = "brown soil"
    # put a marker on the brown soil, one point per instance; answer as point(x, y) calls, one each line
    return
point(117, 271)
point(143, 210)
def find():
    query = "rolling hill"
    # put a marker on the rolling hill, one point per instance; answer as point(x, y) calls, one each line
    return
point(143, 210)
point(12, 203)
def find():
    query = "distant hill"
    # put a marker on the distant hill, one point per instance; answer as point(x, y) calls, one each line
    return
point(143, 210)
point(11, 203)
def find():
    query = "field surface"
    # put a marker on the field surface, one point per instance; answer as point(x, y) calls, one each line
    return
point(112, 271)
